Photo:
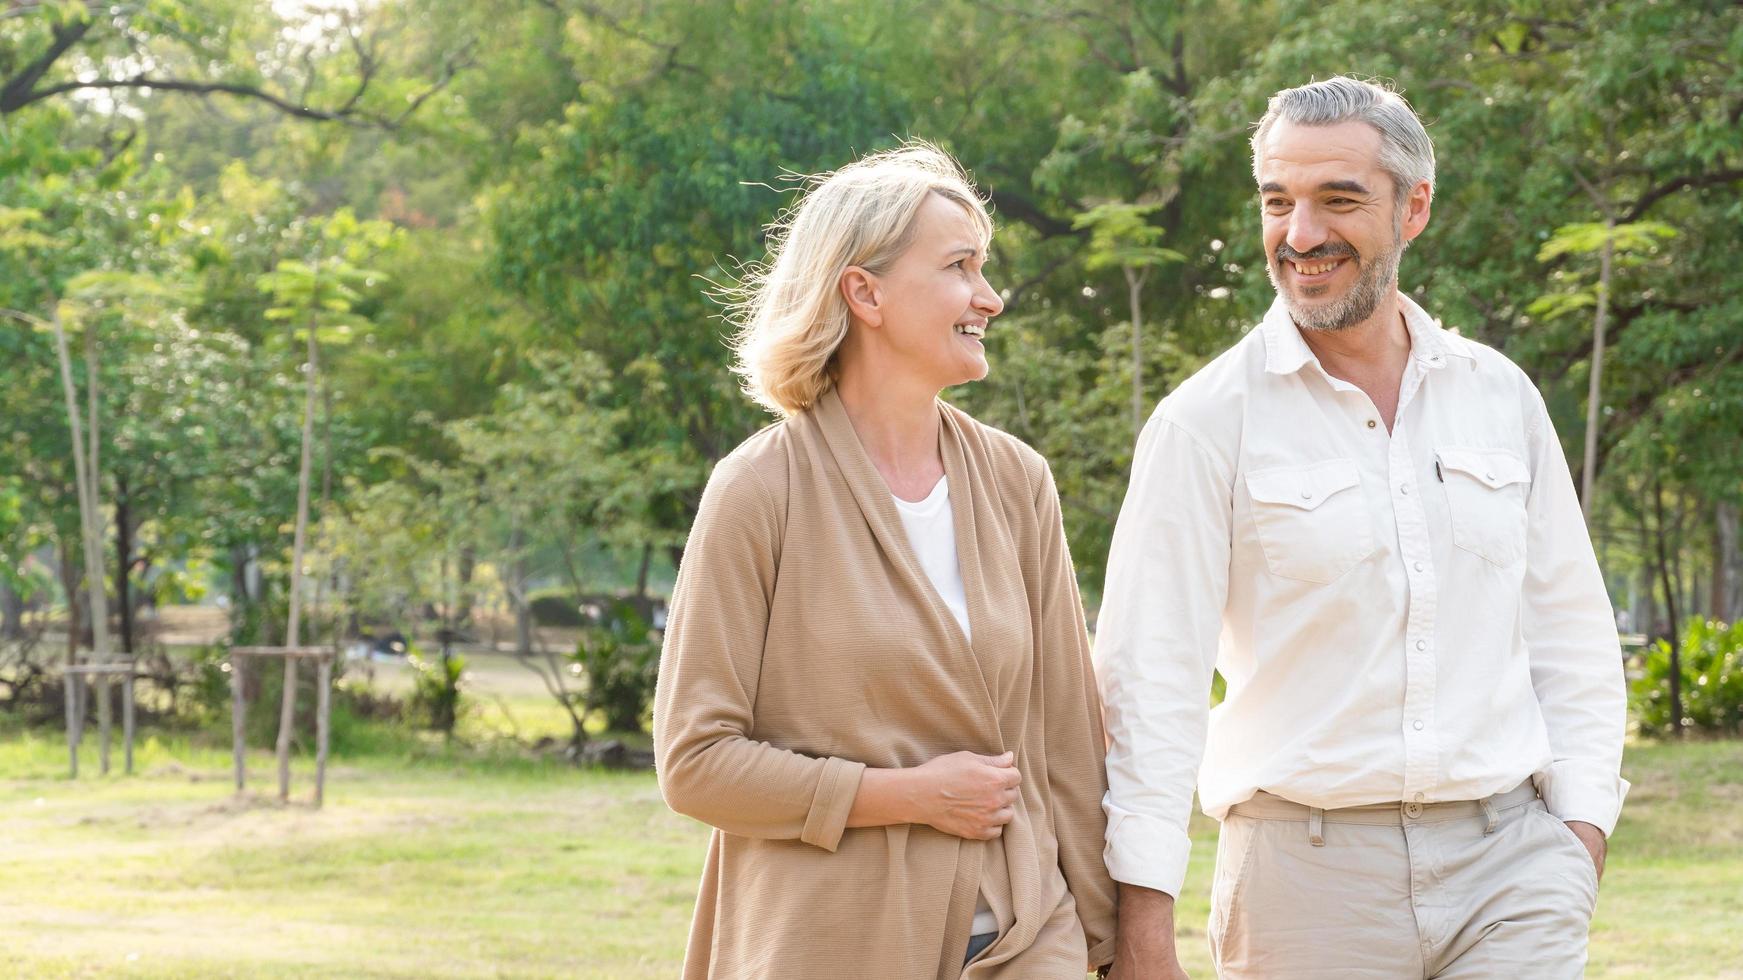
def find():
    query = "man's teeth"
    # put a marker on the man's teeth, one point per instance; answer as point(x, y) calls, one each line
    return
point(971, 329)
point(1317, 267)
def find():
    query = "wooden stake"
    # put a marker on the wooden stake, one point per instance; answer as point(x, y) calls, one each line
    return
point(105, 722)
point(238, 710)
point(127, 717)
point(68, 685)
point(286, 717)
point(323, 725)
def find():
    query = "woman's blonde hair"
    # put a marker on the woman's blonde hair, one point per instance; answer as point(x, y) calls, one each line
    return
point(790, 313)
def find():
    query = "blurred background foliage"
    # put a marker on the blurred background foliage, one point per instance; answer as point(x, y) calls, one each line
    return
point(523, 382)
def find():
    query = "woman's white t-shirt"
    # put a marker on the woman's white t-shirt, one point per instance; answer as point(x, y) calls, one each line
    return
point(931, 531)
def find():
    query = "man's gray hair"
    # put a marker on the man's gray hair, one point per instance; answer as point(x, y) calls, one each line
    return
point(1406, 153)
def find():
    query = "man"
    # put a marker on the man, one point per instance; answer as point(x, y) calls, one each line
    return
point(1367, 525)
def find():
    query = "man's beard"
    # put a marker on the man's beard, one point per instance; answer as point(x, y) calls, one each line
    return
point(1375, 280)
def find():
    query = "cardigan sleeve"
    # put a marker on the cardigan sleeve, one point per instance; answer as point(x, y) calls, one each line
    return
point(709, 767)
point(1075, 740)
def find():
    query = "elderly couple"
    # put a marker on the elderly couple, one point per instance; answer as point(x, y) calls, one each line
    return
point(877, 684)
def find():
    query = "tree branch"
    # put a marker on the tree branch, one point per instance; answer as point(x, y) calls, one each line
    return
point(1026, 211)
point(1670, 187)
point(17, 94)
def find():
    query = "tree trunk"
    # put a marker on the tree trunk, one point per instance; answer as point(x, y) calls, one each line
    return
point(1670, 605)
point(1728, 564)
point(11, 613)
point(1134, 287)
point(463, 601)
point(85, 473)
point(69, 576)
point(641, 576)
point(326, 493)
point(292, 636)
point(1594, 385)
point(517, 594)
point(124, 561)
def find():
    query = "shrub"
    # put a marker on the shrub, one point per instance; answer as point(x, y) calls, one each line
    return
point(620, 659)
point(435, 698)
point(1712, 682)
point(554, 607)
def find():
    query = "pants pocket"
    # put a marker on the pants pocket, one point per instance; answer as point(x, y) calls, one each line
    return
point(1234, 855)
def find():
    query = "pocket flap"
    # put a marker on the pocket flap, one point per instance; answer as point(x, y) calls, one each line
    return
point(1305, 487)
point(1494, 468)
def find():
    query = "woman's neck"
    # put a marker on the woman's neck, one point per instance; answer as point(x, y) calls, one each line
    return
point(898, 425)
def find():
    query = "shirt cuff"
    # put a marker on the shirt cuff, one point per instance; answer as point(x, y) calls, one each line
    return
point(837, 786)
point(1144, 850)
point(1576, 790)
point(1102, 953)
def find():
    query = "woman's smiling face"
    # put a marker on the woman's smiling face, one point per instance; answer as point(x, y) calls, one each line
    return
point(936, 301)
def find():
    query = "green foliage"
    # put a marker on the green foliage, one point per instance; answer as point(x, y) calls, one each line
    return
point(207, 696)
point(619, 659)
point(436, 689)
point(1712, 682)
point(1121, 237)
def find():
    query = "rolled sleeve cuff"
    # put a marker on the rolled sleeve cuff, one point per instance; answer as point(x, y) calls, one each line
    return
point(831, 803)
point(1574, 790)
point(1101, 954)
point(1144, 850)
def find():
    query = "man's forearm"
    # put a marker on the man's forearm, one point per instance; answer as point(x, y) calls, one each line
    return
point(1145, 948)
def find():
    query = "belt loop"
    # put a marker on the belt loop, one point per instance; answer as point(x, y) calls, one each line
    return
point(1316, 826)
point(1494, 819)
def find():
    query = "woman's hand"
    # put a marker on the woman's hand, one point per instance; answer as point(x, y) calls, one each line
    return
point(967, 795)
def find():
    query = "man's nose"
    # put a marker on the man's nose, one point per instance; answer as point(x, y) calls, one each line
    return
point(1306, 230)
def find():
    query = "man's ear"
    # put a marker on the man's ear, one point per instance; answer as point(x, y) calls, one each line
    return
point(1417, 205)
point(864, 295)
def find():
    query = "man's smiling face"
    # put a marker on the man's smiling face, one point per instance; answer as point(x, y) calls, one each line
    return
point(1334, 228)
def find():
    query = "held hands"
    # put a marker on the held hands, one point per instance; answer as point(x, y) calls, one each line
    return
point(967, 795)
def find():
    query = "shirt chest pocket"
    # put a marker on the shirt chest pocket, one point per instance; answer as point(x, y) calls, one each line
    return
point(1485, 499)
point(1312, 521)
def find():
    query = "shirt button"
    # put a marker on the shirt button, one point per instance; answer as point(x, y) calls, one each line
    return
point(1419, 797)
point(1416, 725)
point(1419, 566)
point(1372, 423)
point(1306, 495)
point(1488, 476)
point(1421, 644)
point(1405, 489)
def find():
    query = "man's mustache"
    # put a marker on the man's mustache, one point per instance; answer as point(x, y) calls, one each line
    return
point(1330, 250)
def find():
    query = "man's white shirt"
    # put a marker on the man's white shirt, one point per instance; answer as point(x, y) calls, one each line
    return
point(1410, 616)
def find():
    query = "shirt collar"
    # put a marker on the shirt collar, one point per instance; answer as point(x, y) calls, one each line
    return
point(1430, 345)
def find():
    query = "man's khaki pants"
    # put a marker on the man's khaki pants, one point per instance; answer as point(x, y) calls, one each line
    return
point(1489, 888)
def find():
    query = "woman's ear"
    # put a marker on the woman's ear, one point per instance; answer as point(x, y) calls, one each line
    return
point(864, 295)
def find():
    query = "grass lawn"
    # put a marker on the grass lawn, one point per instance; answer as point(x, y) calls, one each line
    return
point(429, 862)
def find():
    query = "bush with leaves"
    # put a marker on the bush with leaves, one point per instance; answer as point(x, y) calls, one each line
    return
point(620, 660)
point(435, 698)
point(555, 606)
point(1712, 682)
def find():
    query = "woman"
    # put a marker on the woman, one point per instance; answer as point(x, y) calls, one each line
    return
point(875, 681)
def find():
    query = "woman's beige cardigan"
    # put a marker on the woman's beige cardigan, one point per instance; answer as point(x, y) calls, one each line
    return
point(805, 643)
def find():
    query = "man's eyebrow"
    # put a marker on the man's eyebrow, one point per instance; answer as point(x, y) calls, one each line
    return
point(1349, 186)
